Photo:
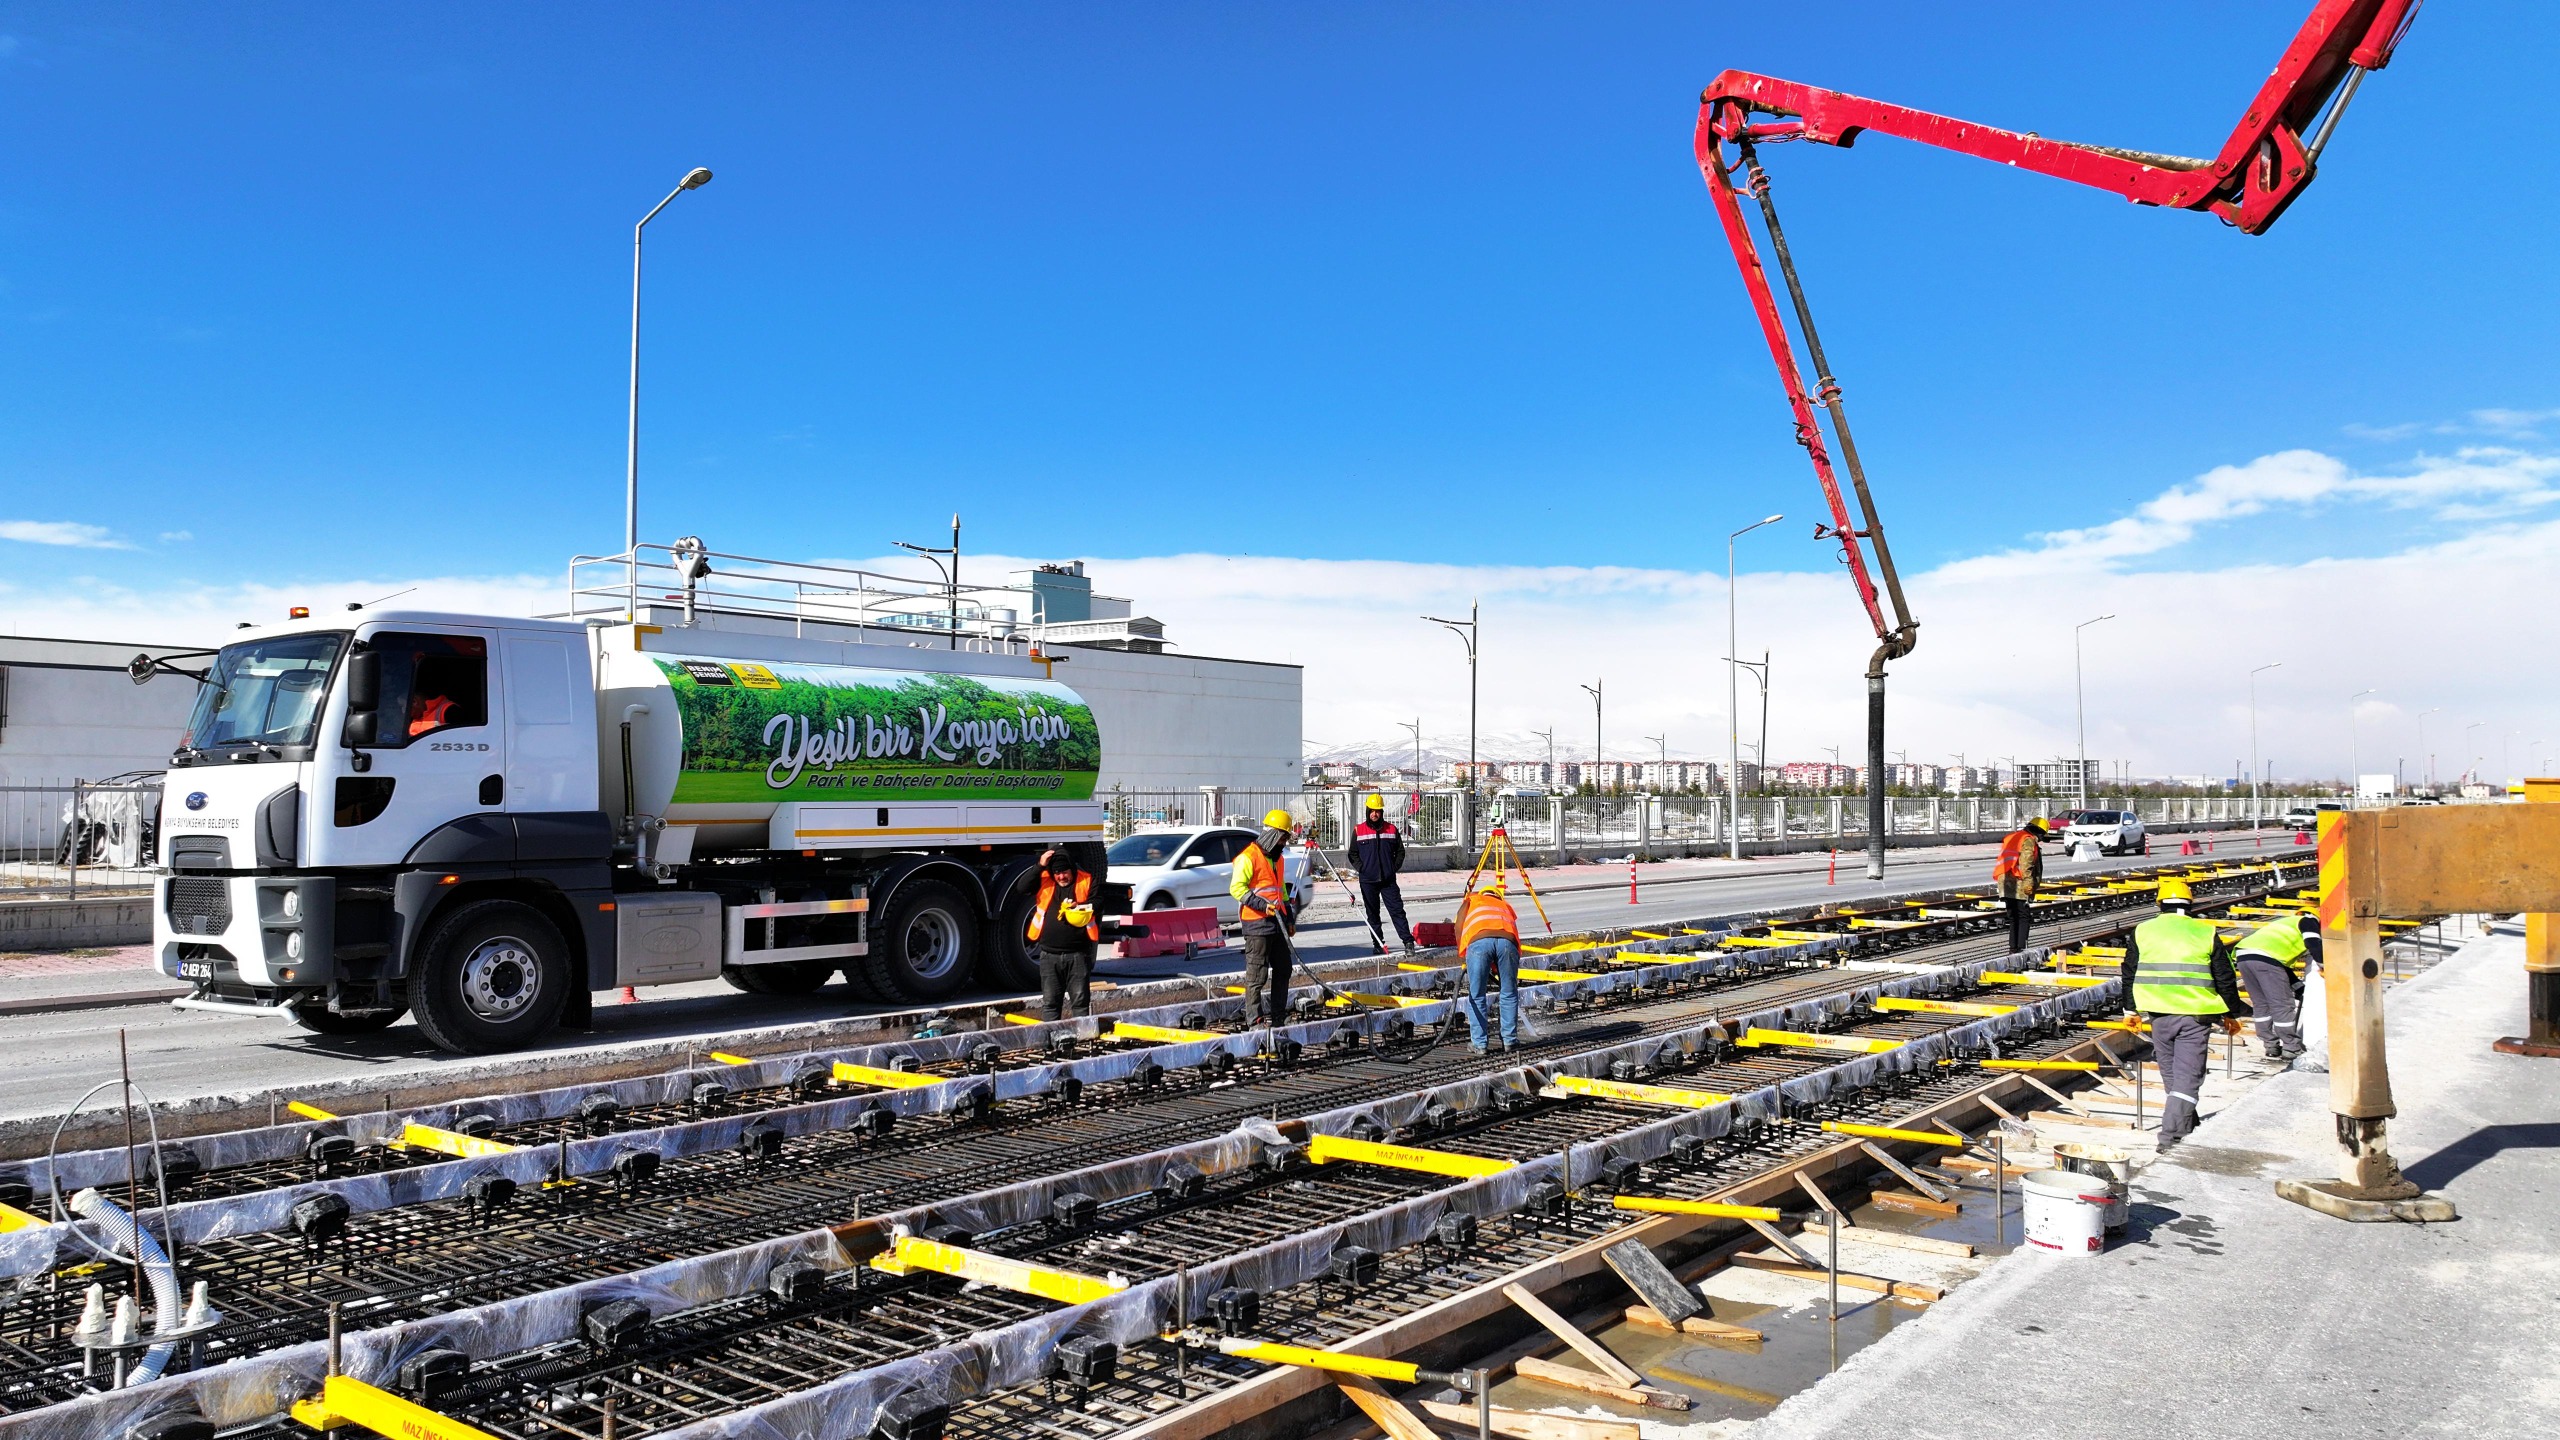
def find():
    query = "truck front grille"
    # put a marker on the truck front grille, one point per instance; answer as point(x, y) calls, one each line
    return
point(199, 905)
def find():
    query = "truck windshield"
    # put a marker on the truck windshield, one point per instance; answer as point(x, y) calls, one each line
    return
point(262, 693)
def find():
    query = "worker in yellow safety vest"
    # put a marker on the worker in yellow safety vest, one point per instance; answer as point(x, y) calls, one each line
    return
point(2178, 977)
point(2273, 960)
point(2018, 874)
point(1064, 929)
point(1489, 938)
point(1260, 885)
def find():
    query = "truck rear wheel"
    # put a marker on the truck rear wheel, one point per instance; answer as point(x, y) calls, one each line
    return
point(786, 977)
point(492, 975)
point(923, 947)
point(1005, 961)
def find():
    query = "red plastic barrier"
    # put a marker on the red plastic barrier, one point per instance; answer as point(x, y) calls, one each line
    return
point(1174, 932)
point(1428, 934)
point(2302, 837)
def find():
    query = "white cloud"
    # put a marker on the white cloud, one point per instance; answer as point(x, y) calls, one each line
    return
point(167, 536)
point(61, 532)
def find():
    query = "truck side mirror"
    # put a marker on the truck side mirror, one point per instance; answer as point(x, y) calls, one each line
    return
point(364, 697)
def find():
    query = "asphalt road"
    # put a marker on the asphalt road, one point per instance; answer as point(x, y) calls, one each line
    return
point(48, 1059)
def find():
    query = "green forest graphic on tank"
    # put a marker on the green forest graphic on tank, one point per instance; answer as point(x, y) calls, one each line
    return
point(764, 732)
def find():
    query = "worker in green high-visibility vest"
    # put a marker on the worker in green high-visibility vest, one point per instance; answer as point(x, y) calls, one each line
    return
point(2178, 977)
point(2273, 959)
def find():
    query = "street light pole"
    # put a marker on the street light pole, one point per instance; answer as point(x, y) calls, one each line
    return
point(2423, 752)
point(950, 577)
point(2254, 808)
point(1733, 692)
point(1467, 631)
point(1599, 754)
point(2080, 708)
point(1549, 735)
point(2355, 759)
point(694, 179)
point(2471, 769)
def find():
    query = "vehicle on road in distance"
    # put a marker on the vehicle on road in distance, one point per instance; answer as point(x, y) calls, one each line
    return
point(2300, 817)
point(2114, 832)
point(1179, 869)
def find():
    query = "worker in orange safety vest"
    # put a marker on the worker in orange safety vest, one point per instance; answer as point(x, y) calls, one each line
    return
point(1260, 886)
point(2019, 873)
point(1489, 938)
point(1065, 930)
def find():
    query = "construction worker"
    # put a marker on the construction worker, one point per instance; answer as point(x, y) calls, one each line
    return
point(2273, 959)
point(2178, 977)
point(1261, 891)
point(1489, 936)
point(1065, 929)
point(1377, 852)
point(2019, 874)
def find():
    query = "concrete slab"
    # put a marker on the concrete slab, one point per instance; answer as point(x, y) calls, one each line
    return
point(2228, 1311)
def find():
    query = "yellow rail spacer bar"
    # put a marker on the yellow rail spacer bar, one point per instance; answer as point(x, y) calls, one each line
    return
point(448, 1142)
point(886, 1079)
point(2112, 952)
point(1003, 1273)
point(308, 1112)
point(1325, 1149)
point(725, 1058)
point(2115, 1025)
point(2012, 977)
point(1014, 1018)
point(1757, 1037)
point(1887, 1132)
point(1640, 1094)
point(1161, 1034)
point(1656, 1206)
point(1414, 965)
point(1334, 1360)
point(13, 1218)
point(345, 1400)
point(1944, 1007)
point(2039, 1064)
point(1545, 977)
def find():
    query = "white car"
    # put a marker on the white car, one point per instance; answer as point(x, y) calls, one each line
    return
point(2301, 817)
point(2114, 832)
point(1179, 869)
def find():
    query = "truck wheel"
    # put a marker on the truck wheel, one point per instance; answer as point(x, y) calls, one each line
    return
point(786, 977)
point(1005, 961)
point(492, 975)
point(316, 1017)
point(923, 947)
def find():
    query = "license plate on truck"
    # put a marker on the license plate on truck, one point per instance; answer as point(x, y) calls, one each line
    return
point(195, 969)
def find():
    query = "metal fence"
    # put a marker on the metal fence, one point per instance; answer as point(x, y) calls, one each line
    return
point(64, 838)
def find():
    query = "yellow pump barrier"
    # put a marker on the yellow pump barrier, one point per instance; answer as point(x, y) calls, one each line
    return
point(1944, 1007)
point(1631, 1091)
point(1067, 1287)
point(345, 1400)
point(1887, 1132)
point(885, 1079)
point(1329, 1149)
point(1655, 1205)
point(1756, 1037)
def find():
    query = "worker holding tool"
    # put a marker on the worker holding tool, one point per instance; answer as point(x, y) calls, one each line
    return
point(2019, 874)
point(2272, 961)
point(1065, 929)
point(1377, 852)
point(1489, 936)
point(2178, 977)
point(1261, 892)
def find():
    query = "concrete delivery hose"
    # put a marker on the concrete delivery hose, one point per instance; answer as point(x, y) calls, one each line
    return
point(98, 1209)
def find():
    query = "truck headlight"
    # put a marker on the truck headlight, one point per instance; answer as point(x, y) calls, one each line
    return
point(293, 945)
point(293, 904)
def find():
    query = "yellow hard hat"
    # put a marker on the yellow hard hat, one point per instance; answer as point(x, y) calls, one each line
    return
point(1490, 885)
point(1374, 802)
point(2174, 888)
point(1279, 820)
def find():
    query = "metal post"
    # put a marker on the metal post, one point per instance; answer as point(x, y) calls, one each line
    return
point(694, 179)
point(2080, 712)
point(1831, 1268)
point(2000, 1185)
point(79, 843)
point(2254, 808)
point(1484, 1404)
point(333, 1337)
point(1733, 686)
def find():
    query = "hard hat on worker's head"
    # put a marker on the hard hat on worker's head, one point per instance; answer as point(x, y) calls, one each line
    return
point(2174, 891)
point(1279, 820)
point(1375, 802)
point(2037, 824)
point(1059, 862)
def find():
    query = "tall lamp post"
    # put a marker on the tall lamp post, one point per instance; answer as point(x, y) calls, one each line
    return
point(1415, 725)
point(1599, 756)
point(1733, 692)
point(2254, 807)
point(2471, 767)
point(2355, 758)
point(1549, 735)
point(950, 576)
point(2423, 752)
point(694, 179)
point(1467, 631)
point(2080, 708)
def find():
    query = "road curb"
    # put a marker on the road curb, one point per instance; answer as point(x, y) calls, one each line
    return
point(37, 1005)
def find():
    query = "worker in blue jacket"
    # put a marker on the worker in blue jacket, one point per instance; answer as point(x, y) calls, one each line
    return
point(1377, 852)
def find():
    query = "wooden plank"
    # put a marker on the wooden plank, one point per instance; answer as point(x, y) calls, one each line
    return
point(1849, 1280)
point(1645, 1317)
point(1583, 1345)
point(1893, 1239)
point(1816, 1192)
point(1384, 1410)
point(1652, 1281)
point(1778, 1237)
point(1915, 1204)
point(1531, 1425)
point(1565, 1377)
point(1909, 1176)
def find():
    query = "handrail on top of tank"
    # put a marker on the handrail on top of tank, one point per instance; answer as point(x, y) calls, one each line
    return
point(815, 591)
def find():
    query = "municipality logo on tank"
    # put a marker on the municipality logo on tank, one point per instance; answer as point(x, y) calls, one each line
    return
point(195, 800)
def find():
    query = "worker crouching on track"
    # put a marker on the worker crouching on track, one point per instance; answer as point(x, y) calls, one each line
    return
point(1489, 936)
point(1065, 929)
point(2019, 874)
point(1261, 892)
point(2177, 971)
point(2272, 961)
point(1377, 852)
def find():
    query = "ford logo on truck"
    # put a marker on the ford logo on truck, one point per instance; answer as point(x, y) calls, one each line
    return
point(195, 800)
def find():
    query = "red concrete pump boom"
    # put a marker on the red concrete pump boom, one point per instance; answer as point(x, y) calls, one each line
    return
point(2260, 170)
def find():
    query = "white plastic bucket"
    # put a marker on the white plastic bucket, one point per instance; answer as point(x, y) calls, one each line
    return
point(2066, 1213)
point(2113, 1167)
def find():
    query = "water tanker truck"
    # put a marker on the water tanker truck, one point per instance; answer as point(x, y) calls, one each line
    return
point(480, 821)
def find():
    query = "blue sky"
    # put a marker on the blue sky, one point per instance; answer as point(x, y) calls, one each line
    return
point(343, 289)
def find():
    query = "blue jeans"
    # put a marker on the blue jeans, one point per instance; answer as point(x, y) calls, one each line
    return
point(1488, 956)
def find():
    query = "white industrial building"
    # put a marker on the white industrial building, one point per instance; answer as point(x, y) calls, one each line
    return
point(69, 712)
